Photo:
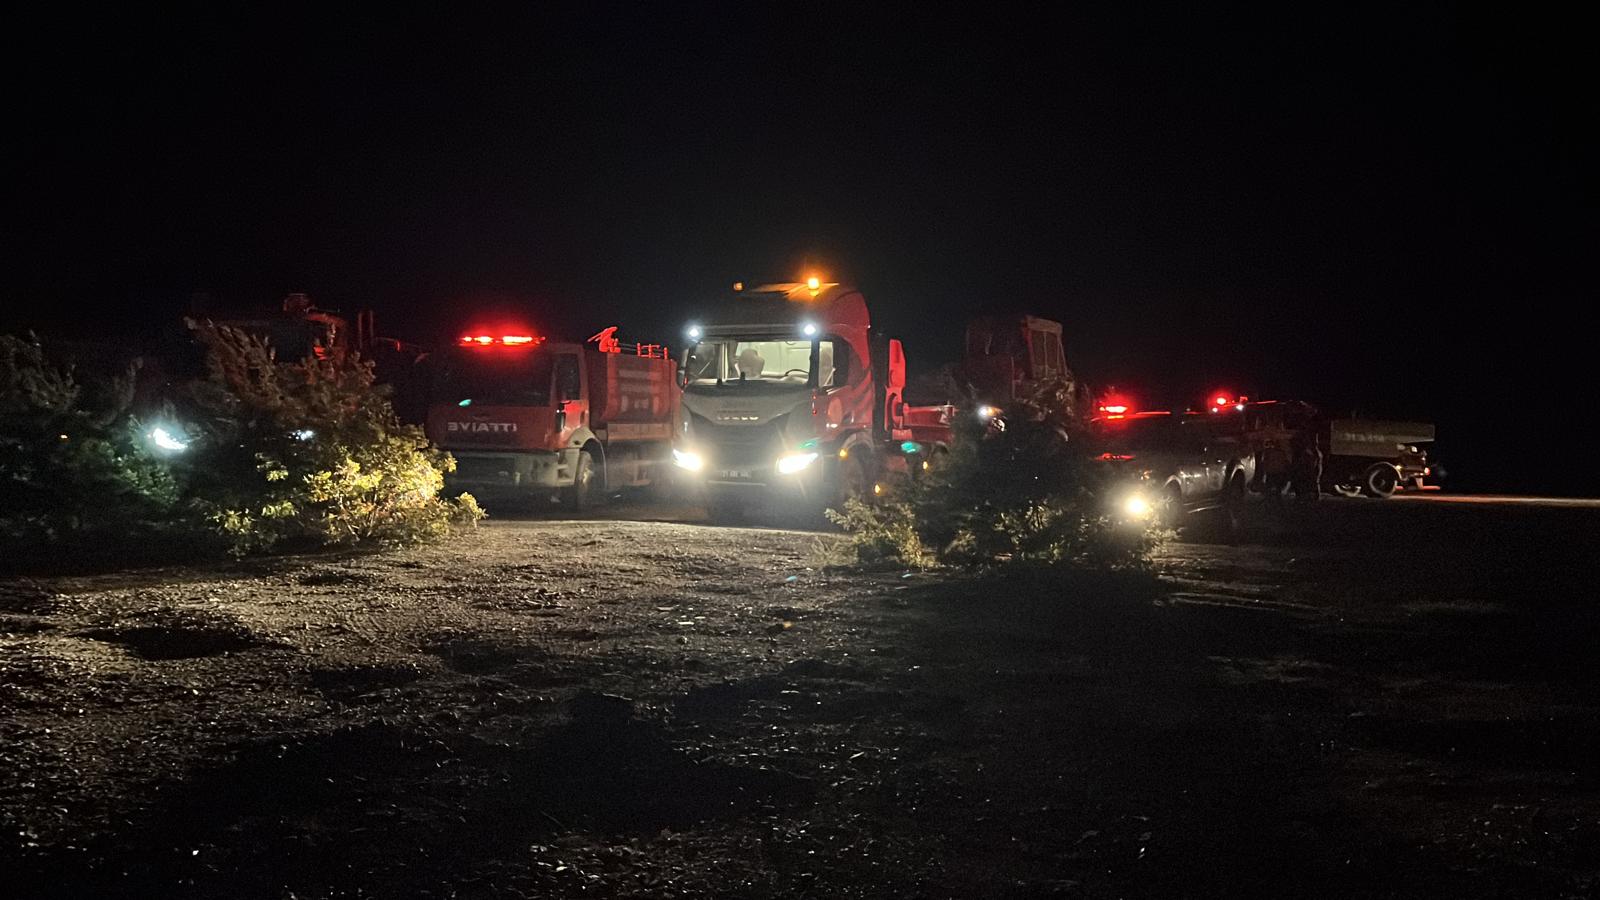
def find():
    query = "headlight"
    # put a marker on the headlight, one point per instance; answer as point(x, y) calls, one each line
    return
point(1137, 507)
point(985, 413)
point(171, 440)
point(794, 462)
point(684, 459)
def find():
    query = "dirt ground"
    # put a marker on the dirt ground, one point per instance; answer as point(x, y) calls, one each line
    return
point(1365, 700)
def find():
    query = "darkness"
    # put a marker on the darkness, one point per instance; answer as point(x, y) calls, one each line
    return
point(1373, 209)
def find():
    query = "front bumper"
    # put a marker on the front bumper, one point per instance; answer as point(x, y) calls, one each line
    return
point(722, 470)
point(504, 474)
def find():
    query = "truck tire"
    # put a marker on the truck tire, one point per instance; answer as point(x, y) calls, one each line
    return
point(1380, 480)
point(1169, 508)
point(1233, 508)
point(853, 478)
point(582, 494)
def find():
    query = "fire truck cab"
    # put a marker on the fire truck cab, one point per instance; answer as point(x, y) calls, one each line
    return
point(527, 418)
point(789, 393)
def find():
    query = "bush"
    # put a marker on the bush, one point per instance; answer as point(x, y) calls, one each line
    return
point(279, 456)
point(308, 454)
point(883, 535)
point(75, 475)
point(1018, 495)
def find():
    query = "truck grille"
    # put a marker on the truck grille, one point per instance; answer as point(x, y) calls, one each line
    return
point(738, 446)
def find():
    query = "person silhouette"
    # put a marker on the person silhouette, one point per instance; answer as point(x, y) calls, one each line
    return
point(750, 363)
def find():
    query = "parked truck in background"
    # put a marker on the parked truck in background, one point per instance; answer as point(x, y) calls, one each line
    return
point(1376, 457)
point(1372, 457)
point(527, 418)
point(300, 329)
point(789, 394)
point(1008, 357)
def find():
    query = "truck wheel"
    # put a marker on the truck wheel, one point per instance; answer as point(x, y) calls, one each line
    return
point(1233, 501)
point(581, 494)
point(1169, 509)
point(1380, 481)
point(854, 479)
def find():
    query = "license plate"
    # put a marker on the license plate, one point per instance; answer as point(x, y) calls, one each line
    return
point(733, 473)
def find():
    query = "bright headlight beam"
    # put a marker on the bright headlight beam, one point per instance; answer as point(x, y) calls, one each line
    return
point(794, 462)
point(1137, 507)
point(166, 440)
point(685, 459)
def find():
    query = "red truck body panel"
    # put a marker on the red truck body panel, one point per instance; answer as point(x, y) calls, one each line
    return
point(632, 397)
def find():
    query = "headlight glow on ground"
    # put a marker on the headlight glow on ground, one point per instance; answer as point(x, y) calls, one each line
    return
point(684, 459)
point(794, 462)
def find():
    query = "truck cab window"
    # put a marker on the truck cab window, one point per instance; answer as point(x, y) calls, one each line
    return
point(833, 364)
point(569, 385)
point(750, 361)
point(487, 377)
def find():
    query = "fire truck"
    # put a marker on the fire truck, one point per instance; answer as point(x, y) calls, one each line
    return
point(529, 418)
point(790, 394)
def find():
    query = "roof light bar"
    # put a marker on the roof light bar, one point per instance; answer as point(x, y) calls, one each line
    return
point(507, 340)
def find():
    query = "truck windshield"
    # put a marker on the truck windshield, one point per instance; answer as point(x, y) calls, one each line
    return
point(723, 360)
point(494, 375)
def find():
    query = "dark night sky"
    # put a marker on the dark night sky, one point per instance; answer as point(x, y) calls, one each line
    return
point(1356, 206)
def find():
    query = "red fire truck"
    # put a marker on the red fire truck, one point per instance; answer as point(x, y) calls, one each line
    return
point(526, 418)
point(791, 395)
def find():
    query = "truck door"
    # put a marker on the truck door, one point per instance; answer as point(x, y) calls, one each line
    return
point(1196, 473)
point(572, 408)
point(846, 388)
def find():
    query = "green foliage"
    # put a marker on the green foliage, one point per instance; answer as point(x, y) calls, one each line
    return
point(1017, 495)
point(308, 453)
point(280, 455)
point(882, 535)
point(75, 476)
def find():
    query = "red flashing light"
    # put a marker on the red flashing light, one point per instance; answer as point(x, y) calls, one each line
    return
point(1114, 403)
point(507, 340)
point(1116, 456)
point(1221, 400)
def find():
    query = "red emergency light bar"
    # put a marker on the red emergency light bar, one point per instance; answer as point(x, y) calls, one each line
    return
point(1221, 401)
point(505, 340)
point(1114, 403)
